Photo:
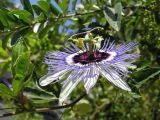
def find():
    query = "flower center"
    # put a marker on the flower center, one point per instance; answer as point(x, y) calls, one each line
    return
point(87, 57)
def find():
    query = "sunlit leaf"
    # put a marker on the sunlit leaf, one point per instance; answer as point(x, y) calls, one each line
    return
point(22, 64)
point(134, 95)
point(11, 18)
point(23, 15)
point(92, 7)
point(38, 94)
point(44, 5)
point(113, 15)
point(21, 70)
point(64, 5)
point(5, 91)
point(18, 49)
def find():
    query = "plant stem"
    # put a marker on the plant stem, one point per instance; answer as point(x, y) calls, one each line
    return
point(38, 110)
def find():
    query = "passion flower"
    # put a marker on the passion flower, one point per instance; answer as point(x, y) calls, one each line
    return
point(86, 66)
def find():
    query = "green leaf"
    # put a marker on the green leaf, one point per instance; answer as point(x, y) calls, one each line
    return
point(10, 17)
point(1, 26)
point(38, 10)
point(49, 1)
point(44, 5)
point(3, 18)
point(64, 5)
point(135, 95)
point(144, 76)
point(91, 7)
point(21, 33)
point(150, 77)
point(41, 17)
point(142, 64)
point(21, 69)
point(29, 73)
point(5, 40)
point(54, 10)
point(118, 11)
point(27, 6)
point(23, 15)
point(44, 30)
point(82, 108)
point(5, 91)
point(22, 64)
point(17, 50)
point(38, 94)
point(113, 16)
point(17, 85)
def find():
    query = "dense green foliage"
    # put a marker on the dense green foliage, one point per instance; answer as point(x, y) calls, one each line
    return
point(27, 34)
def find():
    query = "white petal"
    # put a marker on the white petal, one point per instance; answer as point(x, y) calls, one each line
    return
point(120, 66)
point(47, 79)
point(71, 77)
point(69, 59)
point(125, 65)
point(126, 47)
point(111, 56)
point(105, 44)
point(91, 78)
point(69, 86)
point(114, 78)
